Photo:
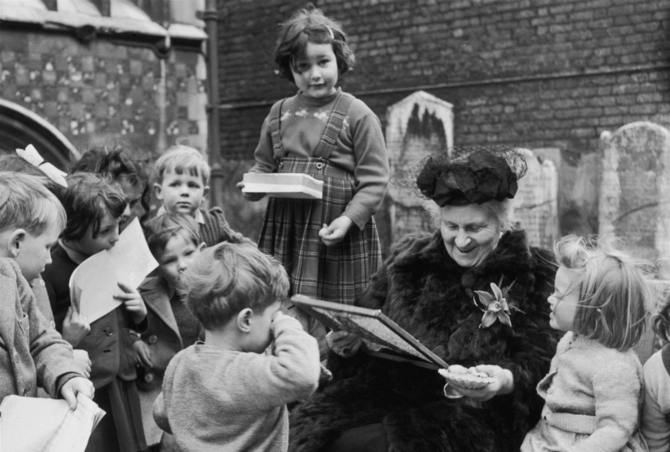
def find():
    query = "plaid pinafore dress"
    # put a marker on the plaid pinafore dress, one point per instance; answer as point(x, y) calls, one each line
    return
point(290, 231)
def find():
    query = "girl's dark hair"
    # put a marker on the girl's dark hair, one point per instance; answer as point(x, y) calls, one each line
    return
point(113, 163)
point(87, 199)
point(116, 163)
point(311, 25)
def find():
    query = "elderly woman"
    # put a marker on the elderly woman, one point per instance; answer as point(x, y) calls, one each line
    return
point(433, 286)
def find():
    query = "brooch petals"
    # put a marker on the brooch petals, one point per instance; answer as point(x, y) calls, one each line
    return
point(496, 307)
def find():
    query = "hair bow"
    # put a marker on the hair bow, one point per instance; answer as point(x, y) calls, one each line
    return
point(30, 155)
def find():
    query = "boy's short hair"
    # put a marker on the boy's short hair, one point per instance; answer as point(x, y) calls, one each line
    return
point(87, 199)
point(228, 277)
point(311, 25)
point(182, 159)
point(159, 230)
point(26, 203)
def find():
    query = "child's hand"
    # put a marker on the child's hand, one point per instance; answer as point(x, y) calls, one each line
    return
point(343, 343)
point(250, 196)
point(335, 231)
point(143, 354)
point(273, 321)
point(74, 386)
point(132, 301)
point(82, 361)
point(75, 327)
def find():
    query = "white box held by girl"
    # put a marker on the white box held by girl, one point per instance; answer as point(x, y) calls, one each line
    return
point(283, 185)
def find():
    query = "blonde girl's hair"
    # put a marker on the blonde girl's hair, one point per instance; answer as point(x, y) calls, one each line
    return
point(228, 277)
point(182, 159)
point(310, 25)
point(26, 203)
point(613, 293)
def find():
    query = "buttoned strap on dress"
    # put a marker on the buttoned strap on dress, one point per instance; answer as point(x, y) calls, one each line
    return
point(290, 232)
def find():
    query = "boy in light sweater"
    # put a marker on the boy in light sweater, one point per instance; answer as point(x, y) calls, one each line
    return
point(230, 392)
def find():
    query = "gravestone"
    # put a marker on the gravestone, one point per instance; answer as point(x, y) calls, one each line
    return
point(417, 126)
point(536, 202)
point(634, 203)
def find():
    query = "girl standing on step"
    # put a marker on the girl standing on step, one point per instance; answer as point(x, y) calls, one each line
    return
point(329, 247)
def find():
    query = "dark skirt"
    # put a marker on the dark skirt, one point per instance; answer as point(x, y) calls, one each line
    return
point(290, 232)
point(121, 428)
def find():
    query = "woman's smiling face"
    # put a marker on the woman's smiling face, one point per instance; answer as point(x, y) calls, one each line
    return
point(469, 233)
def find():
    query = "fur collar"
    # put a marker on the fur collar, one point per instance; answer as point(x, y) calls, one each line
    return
point(427, 254)
point(431, 295)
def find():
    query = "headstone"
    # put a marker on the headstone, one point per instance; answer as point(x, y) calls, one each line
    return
point(634, 203)
point(578, 189)
point(417, 126)
point(536, 202)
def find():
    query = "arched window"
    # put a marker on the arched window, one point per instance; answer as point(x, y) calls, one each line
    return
point(20, 127)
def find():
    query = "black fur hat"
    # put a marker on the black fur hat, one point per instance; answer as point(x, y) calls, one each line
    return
point(474, 178)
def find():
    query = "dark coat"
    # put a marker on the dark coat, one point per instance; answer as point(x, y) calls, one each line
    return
point(109, 341)
point(426, 292)
point(162, 334)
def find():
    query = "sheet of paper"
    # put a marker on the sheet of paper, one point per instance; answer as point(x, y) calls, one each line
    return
point(32, 424)
point(95, 281)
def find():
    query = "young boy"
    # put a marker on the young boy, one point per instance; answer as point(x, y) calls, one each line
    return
point(33, 353)
point(181, 178)
point(226, 393)
point(174, 242)
point(94, 210)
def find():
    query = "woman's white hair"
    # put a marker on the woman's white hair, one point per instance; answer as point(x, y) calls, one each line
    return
point(502, 211)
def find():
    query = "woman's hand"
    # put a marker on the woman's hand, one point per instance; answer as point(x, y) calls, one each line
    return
point(143, 354)
point(75, 327)
point(132, 301)
point(250, 196)
point(343, 343)
point(335, 231)
point(501, 382)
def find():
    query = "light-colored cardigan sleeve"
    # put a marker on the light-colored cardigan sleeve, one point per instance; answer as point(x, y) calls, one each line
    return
point(52, 355)
point(655, 426)
point(617, 388)
point(291, 373)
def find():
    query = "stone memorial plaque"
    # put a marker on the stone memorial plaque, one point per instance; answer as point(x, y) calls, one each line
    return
point(418, 126)
point(634, 203)
point(535, 204)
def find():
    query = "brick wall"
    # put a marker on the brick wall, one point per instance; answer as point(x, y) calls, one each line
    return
point(540, 73)
point(106, 92)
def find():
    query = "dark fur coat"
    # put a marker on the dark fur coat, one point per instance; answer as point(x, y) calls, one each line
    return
point(422, 289)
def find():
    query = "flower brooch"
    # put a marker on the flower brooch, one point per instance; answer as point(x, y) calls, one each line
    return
point(495, 306)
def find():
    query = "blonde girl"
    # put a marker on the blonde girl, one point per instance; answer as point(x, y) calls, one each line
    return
point(593, 390)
